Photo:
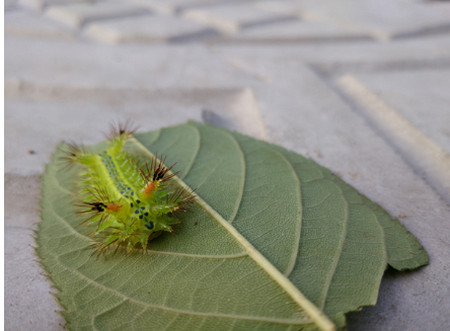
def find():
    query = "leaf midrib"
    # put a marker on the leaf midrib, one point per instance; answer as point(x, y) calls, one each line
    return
point(314, 313)
point(88, 239)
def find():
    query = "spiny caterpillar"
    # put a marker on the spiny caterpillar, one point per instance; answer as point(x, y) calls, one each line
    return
point(130, 205)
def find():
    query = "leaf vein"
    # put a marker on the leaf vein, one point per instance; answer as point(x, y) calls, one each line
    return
point(178, 310)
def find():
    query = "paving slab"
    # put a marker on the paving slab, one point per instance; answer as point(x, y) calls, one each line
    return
point(178, 6)
point(31, 25)
point(40, 5)
point(383, 19)
point(295, 31)
point(423, 154)
point(334, 58)
point(77, 14)
point(146, 29)
point(34, 306)
point(426, 108)
point(234, 17)
point(9, 5)
point(132, 67)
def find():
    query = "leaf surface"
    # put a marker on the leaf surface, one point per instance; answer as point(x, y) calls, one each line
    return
point(204, 276)
point(270, 228)
point(329, 240)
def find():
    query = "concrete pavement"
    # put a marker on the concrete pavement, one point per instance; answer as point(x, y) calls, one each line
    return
point(361, 88)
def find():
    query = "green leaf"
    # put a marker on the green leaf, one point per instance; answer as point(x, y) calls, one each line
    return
point(333, 243)
point(263, 216)
point(204, 276)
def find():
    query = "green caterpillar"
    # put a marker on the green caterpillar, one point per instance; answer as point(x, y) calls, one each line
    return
point(130, 205)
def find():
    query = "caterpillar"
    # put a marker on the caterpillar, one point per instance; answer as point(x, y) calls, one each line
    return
point(129, 204)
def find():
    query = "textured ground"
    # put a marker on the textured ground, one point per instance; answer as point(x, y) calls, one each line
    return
point(361, 87)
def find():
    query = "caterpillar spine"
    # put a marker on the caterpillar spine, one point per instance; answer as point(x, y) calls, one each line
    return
point(129, 205)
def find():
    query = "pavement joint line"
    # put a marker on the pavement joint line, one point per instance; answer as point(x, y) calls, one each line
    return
point(35, 92)
point(230, 40)
point(429, 31)
point(205, 35)
point(178, 10)
point(268, 21)
point(329, 71)
point(426, 158)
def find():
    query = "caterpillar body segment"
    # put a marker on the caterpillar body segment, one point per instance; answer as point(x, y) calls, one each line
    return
point(128, 205)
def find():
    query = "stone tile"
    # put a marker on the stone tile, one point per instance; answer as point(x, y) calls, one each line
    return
point(28, 25)
point(9, 5)
point(89, 66)
point(177, 6)
point(279, 7)
point(296, 31)
point(28, 302)
point(426, 108)
point(397, 18)
point(22, 195)
point(232, 18)
point(145, 29)
point(422, 153)
point(363, 56)
point(76, 15)
point(42, 4)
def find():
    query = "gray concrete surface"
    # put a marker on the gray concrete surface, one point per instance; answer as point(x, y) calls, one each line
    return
point(361, 87)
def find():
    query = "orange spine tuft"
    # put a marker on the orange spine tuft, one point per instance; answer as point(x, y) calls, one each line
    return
point(150, 188)
point(113, 207)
